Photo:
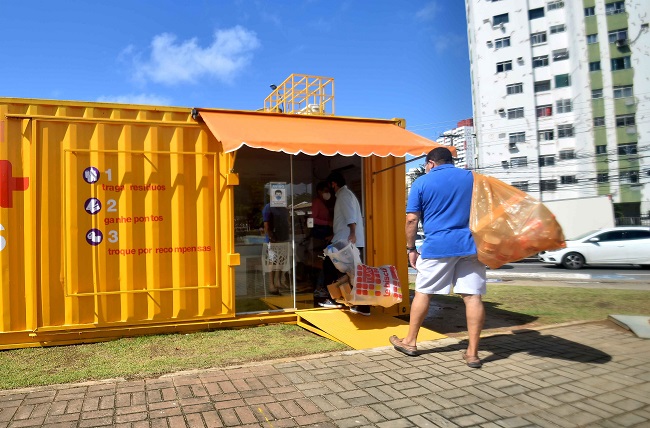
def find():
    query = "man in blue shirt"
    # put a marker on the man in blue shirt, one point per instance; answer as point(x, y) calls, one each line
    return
point(442, 199)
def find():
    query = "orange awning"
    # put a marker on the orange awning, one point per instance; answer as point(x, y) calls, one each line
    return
point(293, 134)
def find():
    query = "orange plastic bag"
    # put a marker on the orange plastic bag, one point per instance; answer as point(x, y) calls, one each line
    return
point(508, 224)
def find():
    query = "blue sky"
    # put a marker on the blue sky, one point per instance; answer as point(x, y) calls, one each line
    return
point(388, 59)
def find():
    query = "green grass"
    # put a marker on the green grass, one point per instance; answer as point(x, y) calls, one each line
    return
point(154, 355)
point(552, 305)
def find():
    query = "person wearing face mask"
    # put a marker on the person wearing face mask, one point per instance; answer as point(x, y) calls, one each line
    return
point(347, 224)
point(442, 199)
point(321, 234)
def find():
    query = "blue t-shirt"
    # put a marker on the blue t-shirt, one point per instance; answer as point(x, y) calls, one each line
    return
point(443, 198)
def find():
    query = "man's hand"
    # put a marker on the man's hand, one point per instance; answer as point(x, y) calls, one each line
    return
point(413, 257)
point(352, 238)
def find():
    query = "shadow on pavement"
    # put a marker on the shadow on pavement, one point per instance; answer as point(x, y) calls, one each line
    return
point(531, 342)
point(447, 316)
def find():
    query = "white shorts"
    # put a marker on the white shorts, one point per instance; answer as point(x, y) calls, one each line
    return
point(436, 276)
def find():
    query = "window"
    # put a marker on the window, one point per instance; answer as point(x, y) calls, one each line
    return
point(536, 13)
point(615, 35)
point(562, 80)
point(544, 111)
point(623, 91)
point(540, 61)
point(637, 234)
point(545, 135)
point(552, 5)
point(617, 235)
point(502, 43)
point(594, 66)
point(627, 149)
point(560, 54)
point(599, 121)
point(548, 185)
point(504, 66)
point(568, 179)
point(543, 85)
point(629, 176)
point(567, 154)
point(547, 160)
point(621, 63)
point(625, 120)
point(596, 93)
point(538, 38)
point(521, 161)
point(515, 113)
point(558, 28)
point(590, 11)
point(517, 137)
point(500, 19)
point(592, 38)
point(601, 149)
point(521, 185)
point(564, 131)
point(602, 177)
point(515, 88)
point(615, 8)
point(563, 106)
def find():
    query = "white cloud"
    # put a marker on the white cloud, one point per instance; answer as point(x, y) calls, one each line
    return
point(428, 12)
point(448, 42)
point(171, 61)
point(149, 99)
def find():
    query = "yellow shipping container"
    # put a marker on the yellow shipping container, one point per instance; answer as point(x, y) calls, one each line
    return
point(120, 220)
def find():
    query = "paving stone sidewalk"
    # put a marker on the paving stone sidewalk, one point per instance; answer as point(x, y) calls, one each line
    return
point(591, 374)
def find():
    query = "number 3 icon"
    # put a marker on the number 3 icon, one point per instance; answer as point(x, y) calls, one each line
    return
point(3, 241)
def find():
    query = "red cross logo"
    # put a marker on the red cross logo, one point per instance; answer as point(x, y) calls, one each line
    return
point(9, 184)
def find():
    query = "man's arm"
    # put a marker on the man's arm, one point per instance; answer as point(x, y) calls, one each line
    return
point(353, 236)
point(412, 220)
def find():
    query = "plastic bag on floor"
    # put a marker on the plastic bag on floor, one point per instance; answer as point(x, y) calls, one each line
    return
point(508, 224)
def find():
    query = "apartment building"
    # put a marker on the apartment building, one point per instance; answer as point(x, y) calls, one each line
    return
point(561, 97)
point(463, 139)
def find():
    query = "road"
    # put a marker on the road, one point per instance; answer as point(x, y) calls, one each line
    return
point(541, 274)
point(599, 273)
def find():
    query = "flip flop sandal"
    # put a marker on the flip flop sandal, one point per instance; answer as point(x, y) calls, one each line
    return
point(472, 361)
point(397, 343)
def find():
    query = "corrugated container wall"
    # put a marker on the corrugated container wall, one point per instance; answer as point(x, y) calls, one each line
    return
point(110, 216)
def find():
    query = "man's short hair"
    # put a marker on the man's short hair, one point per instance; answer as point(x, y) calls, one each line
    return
point(278, 191)
point(440, 155)
point(337, 178)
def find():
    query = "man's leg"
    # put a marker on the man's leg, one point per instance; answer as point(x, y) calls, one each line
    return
point(475, 314)
point(419, 310)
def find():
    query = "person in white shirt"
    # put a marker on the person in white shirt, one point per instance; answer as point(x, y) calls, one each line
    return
point(348, 227)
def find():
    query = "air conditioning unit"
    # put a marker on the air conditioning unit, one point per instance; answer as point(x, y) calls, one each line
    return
point(501, 111)
point(512, 146)
point(502, 135)
point(486, 21)
point(629, 101)
point(489, 43)
point(630, 130)
point(520, 60)
point(505, 163)
point(622, 42)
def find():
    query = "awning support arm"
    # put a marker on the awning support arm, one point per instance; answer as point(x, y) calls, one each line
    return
point(396, 165)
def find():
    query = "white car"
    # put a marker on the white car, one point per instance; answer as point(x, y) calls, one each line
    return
point(419, 240)
point(617, 245)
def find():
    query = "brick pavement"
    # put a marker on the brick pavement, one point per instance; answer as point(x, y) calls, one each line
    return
point(592, 374)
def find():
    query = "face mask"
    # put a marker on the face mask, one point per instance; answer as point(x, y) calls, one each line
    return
point(327, 196)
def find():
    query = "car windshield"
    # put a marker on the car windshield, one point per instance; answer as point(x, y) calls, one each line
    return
point(584, 235)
